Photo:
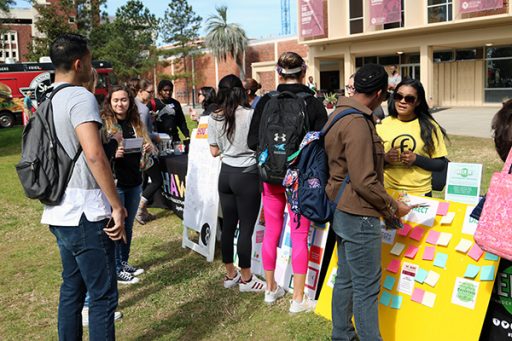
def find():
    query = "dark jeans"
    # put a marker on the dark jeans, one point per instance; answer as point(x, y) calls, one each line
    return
point(130, 198)
point(88, 264)
point(357, 284)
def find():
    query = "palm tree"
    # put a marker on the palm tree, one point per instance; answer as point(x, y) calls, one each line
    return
point(225, 39)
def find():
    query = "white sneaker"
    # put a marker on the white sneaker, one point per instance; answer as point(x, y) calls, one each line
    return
point(272, 296)
point(124, 277)
point(304, 306)
point(231, 282)
point(254, 285)
point(85, 316)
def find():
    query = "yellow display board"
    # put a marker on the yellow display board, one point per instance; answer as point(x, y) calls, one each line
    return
point(451, 301)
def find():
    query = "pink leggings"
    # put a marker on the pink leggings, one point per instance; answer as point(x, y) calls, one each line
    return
point(274, 203)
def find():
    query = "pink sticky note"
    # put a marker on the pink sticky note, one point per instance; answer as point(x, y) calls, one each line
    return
point(411, 251)
point(475, 252)
point(442, 208)
point(429, 252)
point(405, 230)
point(417, 233)
point(433, 236)
point(417, 295)
point(394, 266)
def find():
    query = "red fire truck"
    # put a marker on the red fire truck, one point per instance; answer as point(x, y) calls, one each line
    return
point(17, 79)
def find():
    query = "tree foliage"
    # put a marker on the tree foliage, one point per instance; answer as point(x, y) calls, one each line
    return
point(5, 5)
point(226, 39)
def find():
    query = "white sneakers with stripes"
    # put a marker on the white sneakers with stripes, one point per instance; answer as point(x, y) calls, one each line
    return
point(254, 285)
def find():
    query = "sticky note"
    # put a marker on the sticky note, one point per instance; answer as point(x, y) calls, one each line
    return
point(487, 273)
point(396, 302)
point(385, 298)
point(397, 249)
point(411, 251)
point(440, 260)
point(448, 218)
point(475, 252)
point(432, 237)
point(432, 278)
point(471, 271)
point(428, 254)
point(389, 282)
point(394, 266)
point(491, 256)
point(404, 231)
point(464, 245)
point(444, 239)
point(421, 275)
point(429, 298)
point(417, 233)
point(442, 208)
point(417, 295)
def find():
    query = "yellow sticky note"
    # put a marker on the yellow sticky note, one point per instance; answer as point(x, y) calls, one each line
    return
point(432, 278)
point(444, 239)
point(448, 218)
point(429, 298)
point(464, 245)
point(397, 249)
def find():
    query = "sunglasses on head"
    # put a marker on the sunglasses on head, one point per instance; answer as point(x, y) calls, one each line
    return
point(408, 99)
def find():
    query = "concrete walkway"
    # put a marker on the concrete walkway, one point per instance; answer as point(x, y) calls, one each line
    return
point(468, 121)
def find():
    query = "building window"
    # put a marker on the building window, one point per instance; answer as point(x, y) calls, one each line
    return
point(396, 24)
point(71, 20)
point(14, 54)
point(6, 54)
point(469, 54)
point(443, 56)
point(498, 75)
point(13, 37)
point(356, 16)
point(439, 11)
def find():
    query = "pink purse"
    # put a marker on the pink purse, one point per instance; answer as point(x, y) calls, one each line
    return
point(494, 231)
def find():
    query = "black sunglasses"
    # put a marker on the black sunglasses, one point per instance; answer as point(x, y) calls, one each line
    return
point(408, 99)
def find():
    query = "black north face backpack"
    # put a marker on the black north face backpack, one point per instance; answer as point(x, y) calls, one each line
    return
point(284, 122)
point(45, 168)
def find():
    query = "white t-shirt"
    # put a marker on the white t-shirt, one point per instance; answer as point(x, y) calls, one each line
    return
point(73, 106)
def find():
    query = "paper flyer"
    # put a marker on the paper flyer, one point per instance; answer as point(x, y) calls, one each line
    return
point(424, 214)
point(407, 275)
point(465, 292)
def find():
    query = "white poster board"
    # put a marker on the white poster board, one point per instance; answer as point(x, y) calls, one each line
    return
point(463, 182)
point(201, 195)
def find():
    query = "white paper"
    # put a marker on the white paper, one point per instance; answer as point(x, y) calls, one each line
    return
point(463, 182)
point(407, 275)
point(397, 249)
point(388, 236)
point(422, 215)
point(133, 145)
point(429, 298)
point(448, 218)
point(432, 278)
point(444, 239)
point(332, 277)
point(465, 292)
point(464, 245)
point(470, 224)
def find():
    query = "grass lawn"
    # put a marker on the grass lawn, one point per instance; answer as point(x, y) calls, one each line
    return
point(180, 296)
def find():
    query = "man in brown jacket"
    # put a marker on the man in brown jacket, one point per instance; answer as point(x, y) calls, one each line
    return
point(354, 148)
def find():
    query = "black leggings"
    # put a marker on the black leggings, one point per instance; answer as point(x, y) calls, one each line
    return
point(240, 199)
point(156, 181)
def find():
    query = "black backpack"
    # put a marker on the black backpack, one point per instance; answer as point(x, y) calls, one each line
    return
point(284, 122)
point(45, 168)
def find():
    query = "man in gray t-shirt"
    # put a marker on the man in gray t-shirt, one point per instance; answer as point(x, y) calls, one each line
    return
point(79, 221)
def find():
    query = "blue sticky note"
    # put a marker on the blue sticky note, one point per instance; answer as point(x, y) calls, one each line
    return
point(487, 273)
point(471, 271)
point(389, 282)
point(396, 302)
point(385, 298)
point(440, 260)
point(491, 256)
point(421, 275)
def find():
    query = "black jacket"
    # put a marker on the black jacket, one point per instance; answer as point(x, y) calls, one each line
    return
point(314, 107)
point(169, 124)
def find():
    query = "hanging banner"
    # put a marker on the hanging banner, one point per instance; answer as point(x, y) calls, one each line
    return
point(470, 6)
point(311, 18)
point(385, 11)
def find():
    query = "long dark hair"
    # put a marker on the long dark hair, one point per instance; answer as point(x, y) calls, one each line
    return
point(231, 95)
point(209, 96)
point(422, 111)
point(502, 130)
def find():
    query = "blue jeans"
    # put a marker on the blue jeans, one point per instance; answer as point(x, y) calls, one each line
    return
point(130, 198)
point(357, 284)
point(87, 256)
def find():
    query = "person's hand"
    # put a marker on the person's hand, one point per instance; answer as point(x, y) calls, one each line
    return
point(120, 151)
point(117, 232)
point(118, 137)
point(402, 209)
point(392, 156)
point(148, 148)
point(408, 158)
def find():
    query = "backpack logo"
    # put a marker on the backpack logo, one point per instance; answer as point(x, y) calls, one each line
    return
point(280, 147)
point(281, 138)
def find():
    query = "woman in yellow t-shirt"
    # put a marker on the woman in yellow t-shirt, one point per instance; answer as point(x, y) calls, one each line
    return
point(413, 141)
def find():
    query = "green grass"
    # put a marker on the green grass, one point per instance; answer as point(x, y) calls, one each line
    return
point(180, 296)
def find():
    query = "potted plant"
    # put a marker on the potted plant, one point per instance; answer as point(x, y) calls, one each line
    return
point(330, 100)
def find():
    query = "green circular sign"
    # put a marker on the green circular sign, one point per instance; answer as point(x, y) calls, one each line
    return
point(466, 292)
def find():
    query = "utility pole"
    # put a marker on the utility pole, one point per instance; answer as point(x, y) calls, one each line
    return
point(285, 17)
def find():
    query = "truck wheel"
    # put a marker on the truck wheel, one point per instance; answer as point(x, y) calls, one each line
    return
point(6, 120)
